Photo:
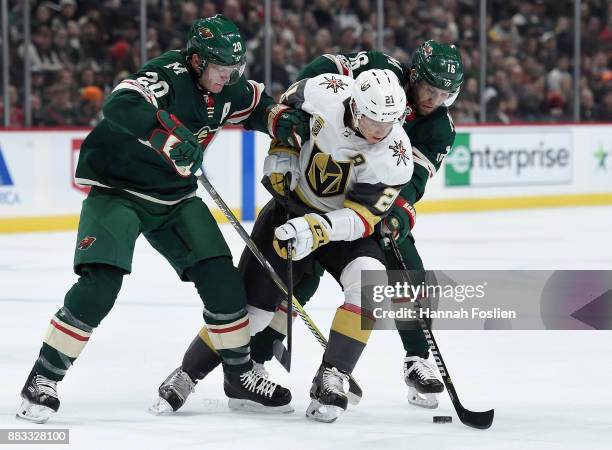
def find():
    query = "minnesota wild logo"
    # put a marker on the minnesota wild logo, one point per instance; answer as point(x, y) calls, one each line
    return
point(205, 135)
point(333, 83)
point(400, 152)
point(205, 33)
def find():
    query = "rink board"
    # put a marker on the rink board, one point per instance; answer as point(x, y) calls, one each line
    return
point(489, 167)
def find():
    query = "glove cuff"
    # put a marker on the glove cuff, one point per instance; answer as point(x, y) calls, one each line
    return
point(407, 208)
point(272, 114)
point(277, 147)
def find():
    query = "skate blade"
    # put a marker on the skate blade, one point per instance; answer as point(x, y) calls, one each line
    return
point(161, 408)
point(323, 413)
point(429, 401)
point(238, 404)
point(34, 413)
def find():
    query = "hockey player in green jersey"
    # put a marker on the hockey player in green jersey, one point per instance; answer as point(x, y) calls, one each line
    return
point(432, 84)
point(140, 162)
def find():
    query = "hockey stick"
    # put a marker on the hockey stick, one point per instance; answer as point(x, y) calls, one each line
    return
point(282, 354)
point(289, 275)
point(475, 419)
point(355, 392)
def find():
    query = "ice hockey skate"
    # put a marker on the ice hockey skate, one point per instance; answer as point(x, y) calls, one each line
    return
point(253, 391)
point(40, 399)
point(329, 398)
point(173, 393)
point(423, 385)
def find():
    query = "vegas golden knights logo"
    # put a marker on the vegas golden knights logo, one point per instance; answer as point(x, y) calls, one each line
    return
point(327, 177)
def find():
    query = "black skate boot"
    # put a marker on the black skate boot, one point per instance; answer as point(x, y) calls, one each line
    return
point(328, 396)
point(173, 392)
point(423, 385)
point(39, 399)
point(254, 391)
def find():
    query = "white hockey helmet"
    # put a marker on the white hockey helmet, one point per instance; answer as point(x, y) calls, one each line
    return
point(378, 95)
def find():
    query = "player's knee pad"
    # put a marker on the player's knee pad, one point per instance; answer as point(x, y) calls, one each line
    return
point(94, 294)
point(350, 278)
point(259, 319)
point(219, 284)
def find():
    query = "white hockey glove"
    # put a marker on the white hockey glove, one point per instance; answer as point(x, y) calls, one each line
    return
point(308, 233)
point(276, 167)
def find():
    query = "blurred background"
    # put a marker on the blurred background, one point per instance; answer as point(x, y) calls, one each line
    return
point(525, 61)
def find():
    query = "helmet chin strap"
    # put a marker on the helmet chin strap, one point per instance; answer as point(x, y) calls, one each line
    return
point(355, 115)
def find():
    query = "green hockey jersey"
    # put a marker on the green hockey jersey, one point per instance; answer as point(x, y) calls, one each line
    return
point(431, 136)
point(117, 154)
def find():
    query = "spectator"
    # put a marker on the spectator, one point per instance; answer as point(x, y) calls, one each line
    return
point(90, 104)
point(16, 115)
point(59, 110)
point(605, 114)
point(67, 13)
point(529, 60)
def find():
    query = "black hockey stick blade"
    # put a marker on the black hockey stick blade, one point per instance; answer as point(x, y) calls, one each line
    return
point(281, 354)
point(476, 419)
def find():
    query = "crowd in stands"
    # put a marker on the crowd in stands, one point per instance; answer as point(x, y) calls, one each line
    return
point(81, 48)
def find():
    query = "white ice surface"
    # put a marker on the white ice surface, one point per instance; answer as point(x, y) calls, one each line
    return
point(550, 389)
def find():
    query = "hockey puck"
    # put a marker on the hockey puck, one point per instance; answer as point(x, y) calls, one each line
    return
point(442, 419)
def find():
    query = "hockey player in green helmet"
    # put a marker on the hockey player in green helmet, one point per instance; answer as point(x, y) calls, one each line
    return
point(139, 161)
point(439, 67)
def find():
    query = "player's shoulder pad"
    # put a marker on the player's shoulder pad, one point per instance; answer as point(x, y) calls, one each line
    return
point(327, 87)
point(395, 165)
point(320, 95)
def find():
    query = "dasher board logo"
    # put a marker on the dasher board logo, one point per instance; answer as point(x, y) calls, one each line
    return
point(5, 174)
point(510, 159)
point(601, 164)
point(8, 195)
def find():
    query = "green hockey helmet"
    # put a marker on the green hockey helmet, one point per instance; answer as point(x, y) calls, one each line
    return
point(217, 40)
point(440, 66)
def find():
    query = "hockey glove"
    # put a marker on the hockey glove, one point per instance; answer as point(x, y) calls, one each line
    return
point(399, 221)
point(282, 161)
point(308, 233)
point(177, 144)
point(290, 126)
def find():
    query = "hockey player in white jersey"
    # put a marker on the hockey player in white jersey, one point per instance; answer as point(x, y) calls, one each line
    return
point(343, 181)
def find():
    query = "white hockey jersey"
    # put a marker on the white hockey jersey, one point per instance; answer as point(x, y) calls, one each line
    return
point(339, 168)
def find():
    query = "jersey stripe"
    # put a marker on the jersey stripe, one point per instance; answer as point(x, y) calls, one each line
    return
point(422, 160)
point(369, 220)
point(342, 69)
point(241, 115)
point(137, 87)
